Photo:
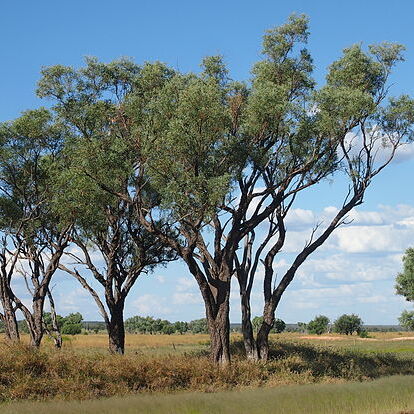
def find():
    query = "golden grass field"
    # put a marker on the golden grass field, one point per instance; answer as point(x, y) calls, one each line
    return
point(173, 374)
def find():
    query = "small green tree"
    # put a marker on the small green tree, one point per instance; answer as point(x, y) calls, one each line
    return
point(198, 326)
point(72, 324)
point(406, 320)
point(319, 325)
point(348, 324)
point(256, 323)
point(405, 279)
point(279, 326)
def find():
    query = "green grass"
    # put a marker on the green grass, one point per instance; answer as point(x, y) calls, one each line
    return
point(382, 396)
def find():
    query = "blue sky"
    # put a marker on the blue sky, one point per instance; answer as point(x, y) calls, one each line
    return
point(355, 271)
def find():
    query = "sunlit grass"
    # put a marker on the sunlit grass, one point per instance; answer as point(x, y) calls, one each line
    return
point(383, 396)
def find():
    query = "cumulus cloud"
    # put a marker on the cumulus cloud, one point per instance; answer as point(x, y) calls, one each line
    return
point(150, 305)
point(185, 298)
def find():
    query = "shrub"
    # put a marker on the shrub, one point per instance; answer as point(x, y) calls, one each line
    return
point(319, 325)
point(279, 326)
point(348, 324)
point(72, 328)
point(406, 320)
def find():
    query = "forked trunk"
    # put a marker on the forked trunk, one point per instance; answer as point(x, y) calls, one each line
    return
point(116, 329)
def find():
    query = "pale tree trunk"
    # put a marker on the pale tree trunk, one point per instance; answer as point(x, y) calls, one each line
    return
point(55, 334)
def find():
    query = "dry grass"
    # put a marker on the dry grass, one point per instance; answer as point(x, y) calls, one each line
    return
point(77, 372)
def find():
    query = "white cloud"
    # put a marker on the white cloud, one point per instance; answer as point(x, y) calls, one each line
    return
point(186, 298)
point(185, 284)
point(149, 304)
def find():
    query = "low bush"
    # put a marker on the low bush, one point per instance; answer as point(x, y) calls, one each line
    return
point(29, 374)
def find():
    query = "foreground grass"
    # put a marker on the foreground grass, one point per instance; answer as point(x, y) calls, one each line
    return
point(77, 374)
point(383, 396)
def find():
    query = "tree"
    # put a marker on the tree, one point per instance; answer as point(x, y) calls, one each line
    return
point(198, 326)
point(348, 324)
point(405, 280)
point(279, 326)
point(406, 320)
point(350, 110)
point(257, 322)
point(33, 237)
point(91, 106)
point(319, 325)
point(72, 324)
point(224, 157)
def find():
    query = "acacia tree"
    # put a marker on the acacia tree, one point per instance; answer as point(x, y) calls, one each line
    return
point(350, 107)
point(34, 240)
point(89, 102)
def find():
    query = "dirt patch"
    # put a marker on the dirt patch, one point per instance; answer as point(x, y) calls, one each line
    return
point(403, 338)
point(337, 338)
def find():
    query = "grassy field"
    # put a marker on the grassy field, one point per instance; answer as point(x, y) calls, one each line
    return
point(384, 396)
point(176, 369)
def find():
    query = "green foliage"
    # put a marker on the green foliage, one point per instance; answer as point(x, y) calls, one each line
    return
point(363, 333)
point(279, 326)
point(72, 329)
point(405, 280)
point(198, 326)
point(257, 323)
point(319, 325)
point(406, 320)
point(348, 324)
point(149, 325)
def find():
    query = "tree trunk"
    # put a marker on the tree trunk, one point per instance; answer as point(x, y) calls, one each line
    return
point(35, 322)
point(263, 334)
point(219, 328)
point(116, 329)
point(10, 323)
point(55, 334)
point(247, 328)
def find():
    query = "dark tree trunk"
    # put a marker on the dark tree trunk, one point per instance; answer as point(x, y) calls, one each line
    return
point(9, 317)
point(219, 328)
point(36, 323)
point(116, 329)
point(247, 328)
point(10, 322)
point(263, 334)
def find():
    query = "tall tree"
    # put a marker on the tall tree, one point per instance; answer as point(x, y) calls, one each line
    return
point(99, 151)
point(225, 156)
point(351, 109)
point(33, 238)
